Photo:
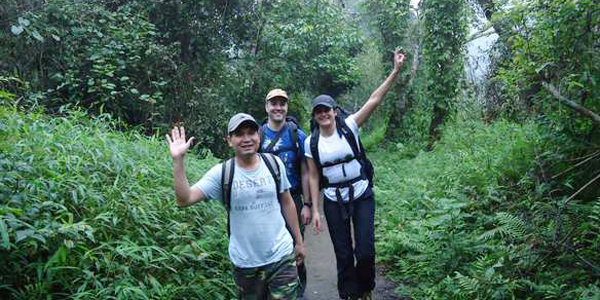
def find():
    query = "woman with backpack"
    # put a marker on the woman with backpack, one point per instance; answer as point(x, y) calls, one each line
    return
point(338, 167)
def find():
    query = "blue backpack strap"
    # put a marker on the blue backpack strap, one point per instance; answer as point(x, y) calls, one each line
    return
point(227, 170)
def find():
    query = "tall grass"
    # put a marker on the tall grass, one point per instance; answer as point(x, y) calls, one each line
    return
point(89, 213)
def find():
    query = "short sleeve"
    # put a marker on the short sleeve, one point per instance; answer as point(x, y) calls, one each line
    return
point(351, 122)
point(210, 184)
point(307, 152)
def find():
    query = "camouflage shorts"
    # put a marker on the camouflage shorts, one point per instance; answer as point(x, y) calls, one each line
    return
point(278, 280)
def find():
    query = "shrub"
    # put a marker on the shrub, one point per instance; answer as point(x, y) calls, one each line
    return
point(89, 213)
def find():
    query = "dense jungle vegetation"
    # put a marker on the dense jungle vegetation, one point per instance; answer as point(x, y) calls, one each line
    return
point(487, 171)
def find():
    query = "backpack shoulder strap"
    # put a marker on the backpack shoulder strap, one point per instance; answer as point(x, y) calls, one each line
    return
point(273, 168)
point(314, 147)
point(350, 138)
point(274, 140)
point(227, 170)
point(293, 128)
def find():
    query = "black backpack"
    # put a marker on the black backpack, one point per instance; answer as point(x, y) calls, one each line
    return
point(227, 172)
point(358, 151)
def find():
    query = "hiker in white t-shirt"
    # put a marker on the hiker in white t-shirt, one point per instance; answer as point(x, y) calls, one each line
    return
point(339, 168)
point(260, 246)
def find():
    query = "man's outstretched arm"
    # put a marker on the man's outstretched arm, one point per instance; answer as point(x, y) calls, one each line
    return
point(178, 146)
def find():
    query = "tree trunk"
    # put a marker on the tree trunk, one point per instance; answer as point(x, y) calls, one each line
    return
point(439, 115)
point(404, 96)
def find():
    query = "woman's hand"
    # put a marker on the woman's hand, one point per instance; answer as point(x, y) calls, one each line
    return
point(398, 59)
point(317, 222)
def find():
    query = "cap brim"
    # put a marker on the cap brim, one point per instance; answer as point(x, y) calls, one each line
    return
point(278, 97)
point(242, 122)
point(329, 105)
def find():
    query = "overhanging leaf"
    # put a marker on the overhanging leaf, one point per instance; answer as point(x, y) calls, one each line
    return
point(23, 234)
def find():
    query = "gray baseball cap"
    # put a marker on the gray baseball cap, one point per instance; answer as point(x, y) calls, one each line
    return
point(324, 100)
point(238, 119)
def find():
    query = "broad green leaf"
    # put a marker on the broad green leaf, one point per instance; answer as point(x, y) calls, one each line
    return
point(23, 234)
point(16, 30)
point(37, 35)
point(5, 241)
point(69, 244)
point(23, 21)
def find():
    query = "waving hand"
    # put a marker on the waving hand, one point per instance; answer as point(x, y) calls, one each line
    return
point(177, 143)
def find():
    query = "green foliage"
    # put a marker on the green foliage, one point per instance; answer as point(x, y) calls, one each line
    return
point(444, 37)
point(305, 45)
point(156, 63)
point(372, 72)
point(391, 18)
point(540, 50)
point(471, 220)
point(89, 213)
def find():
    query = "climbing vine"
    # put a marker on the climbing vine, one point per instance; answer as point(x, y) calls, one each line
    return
point(444, 32)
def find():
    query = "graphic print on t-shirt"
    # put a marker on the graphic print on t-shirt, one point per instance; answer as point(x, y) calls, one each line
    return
point(257, 194)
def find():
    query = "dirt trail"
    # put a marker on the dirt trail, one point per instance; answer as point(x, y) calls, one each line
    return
point(322, 278)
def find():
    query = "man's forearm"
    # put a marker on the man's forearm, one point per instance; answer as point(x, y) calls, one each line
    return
point(305, 179)
point(289, 209)
point(182, 187)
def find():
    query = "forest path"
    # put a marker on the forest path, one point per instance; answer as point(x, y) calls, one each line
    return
point(321, 269)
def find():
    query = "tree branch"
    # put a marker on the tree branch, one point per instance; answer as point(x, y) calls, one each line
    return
point(578, 108)
point(582, 188)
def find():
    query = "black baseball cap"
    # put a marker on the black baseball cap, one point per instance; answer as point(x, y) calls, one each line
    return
point(324, 100)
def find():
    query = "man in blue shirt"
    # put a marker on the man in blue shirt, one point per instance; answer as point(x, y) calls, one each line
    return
point(282, 137)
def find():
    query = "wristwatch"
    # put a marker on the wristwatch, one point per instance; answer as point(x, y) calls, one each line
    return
point(309, 204)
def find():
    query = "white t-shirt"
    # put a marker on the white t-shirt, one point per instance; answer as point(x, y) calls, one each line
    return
point(336, 148)
point(258, 233)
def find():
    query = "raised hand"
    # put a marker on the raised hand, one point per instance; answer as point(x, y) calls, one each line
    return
point(398, 58)
point(177, 143)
